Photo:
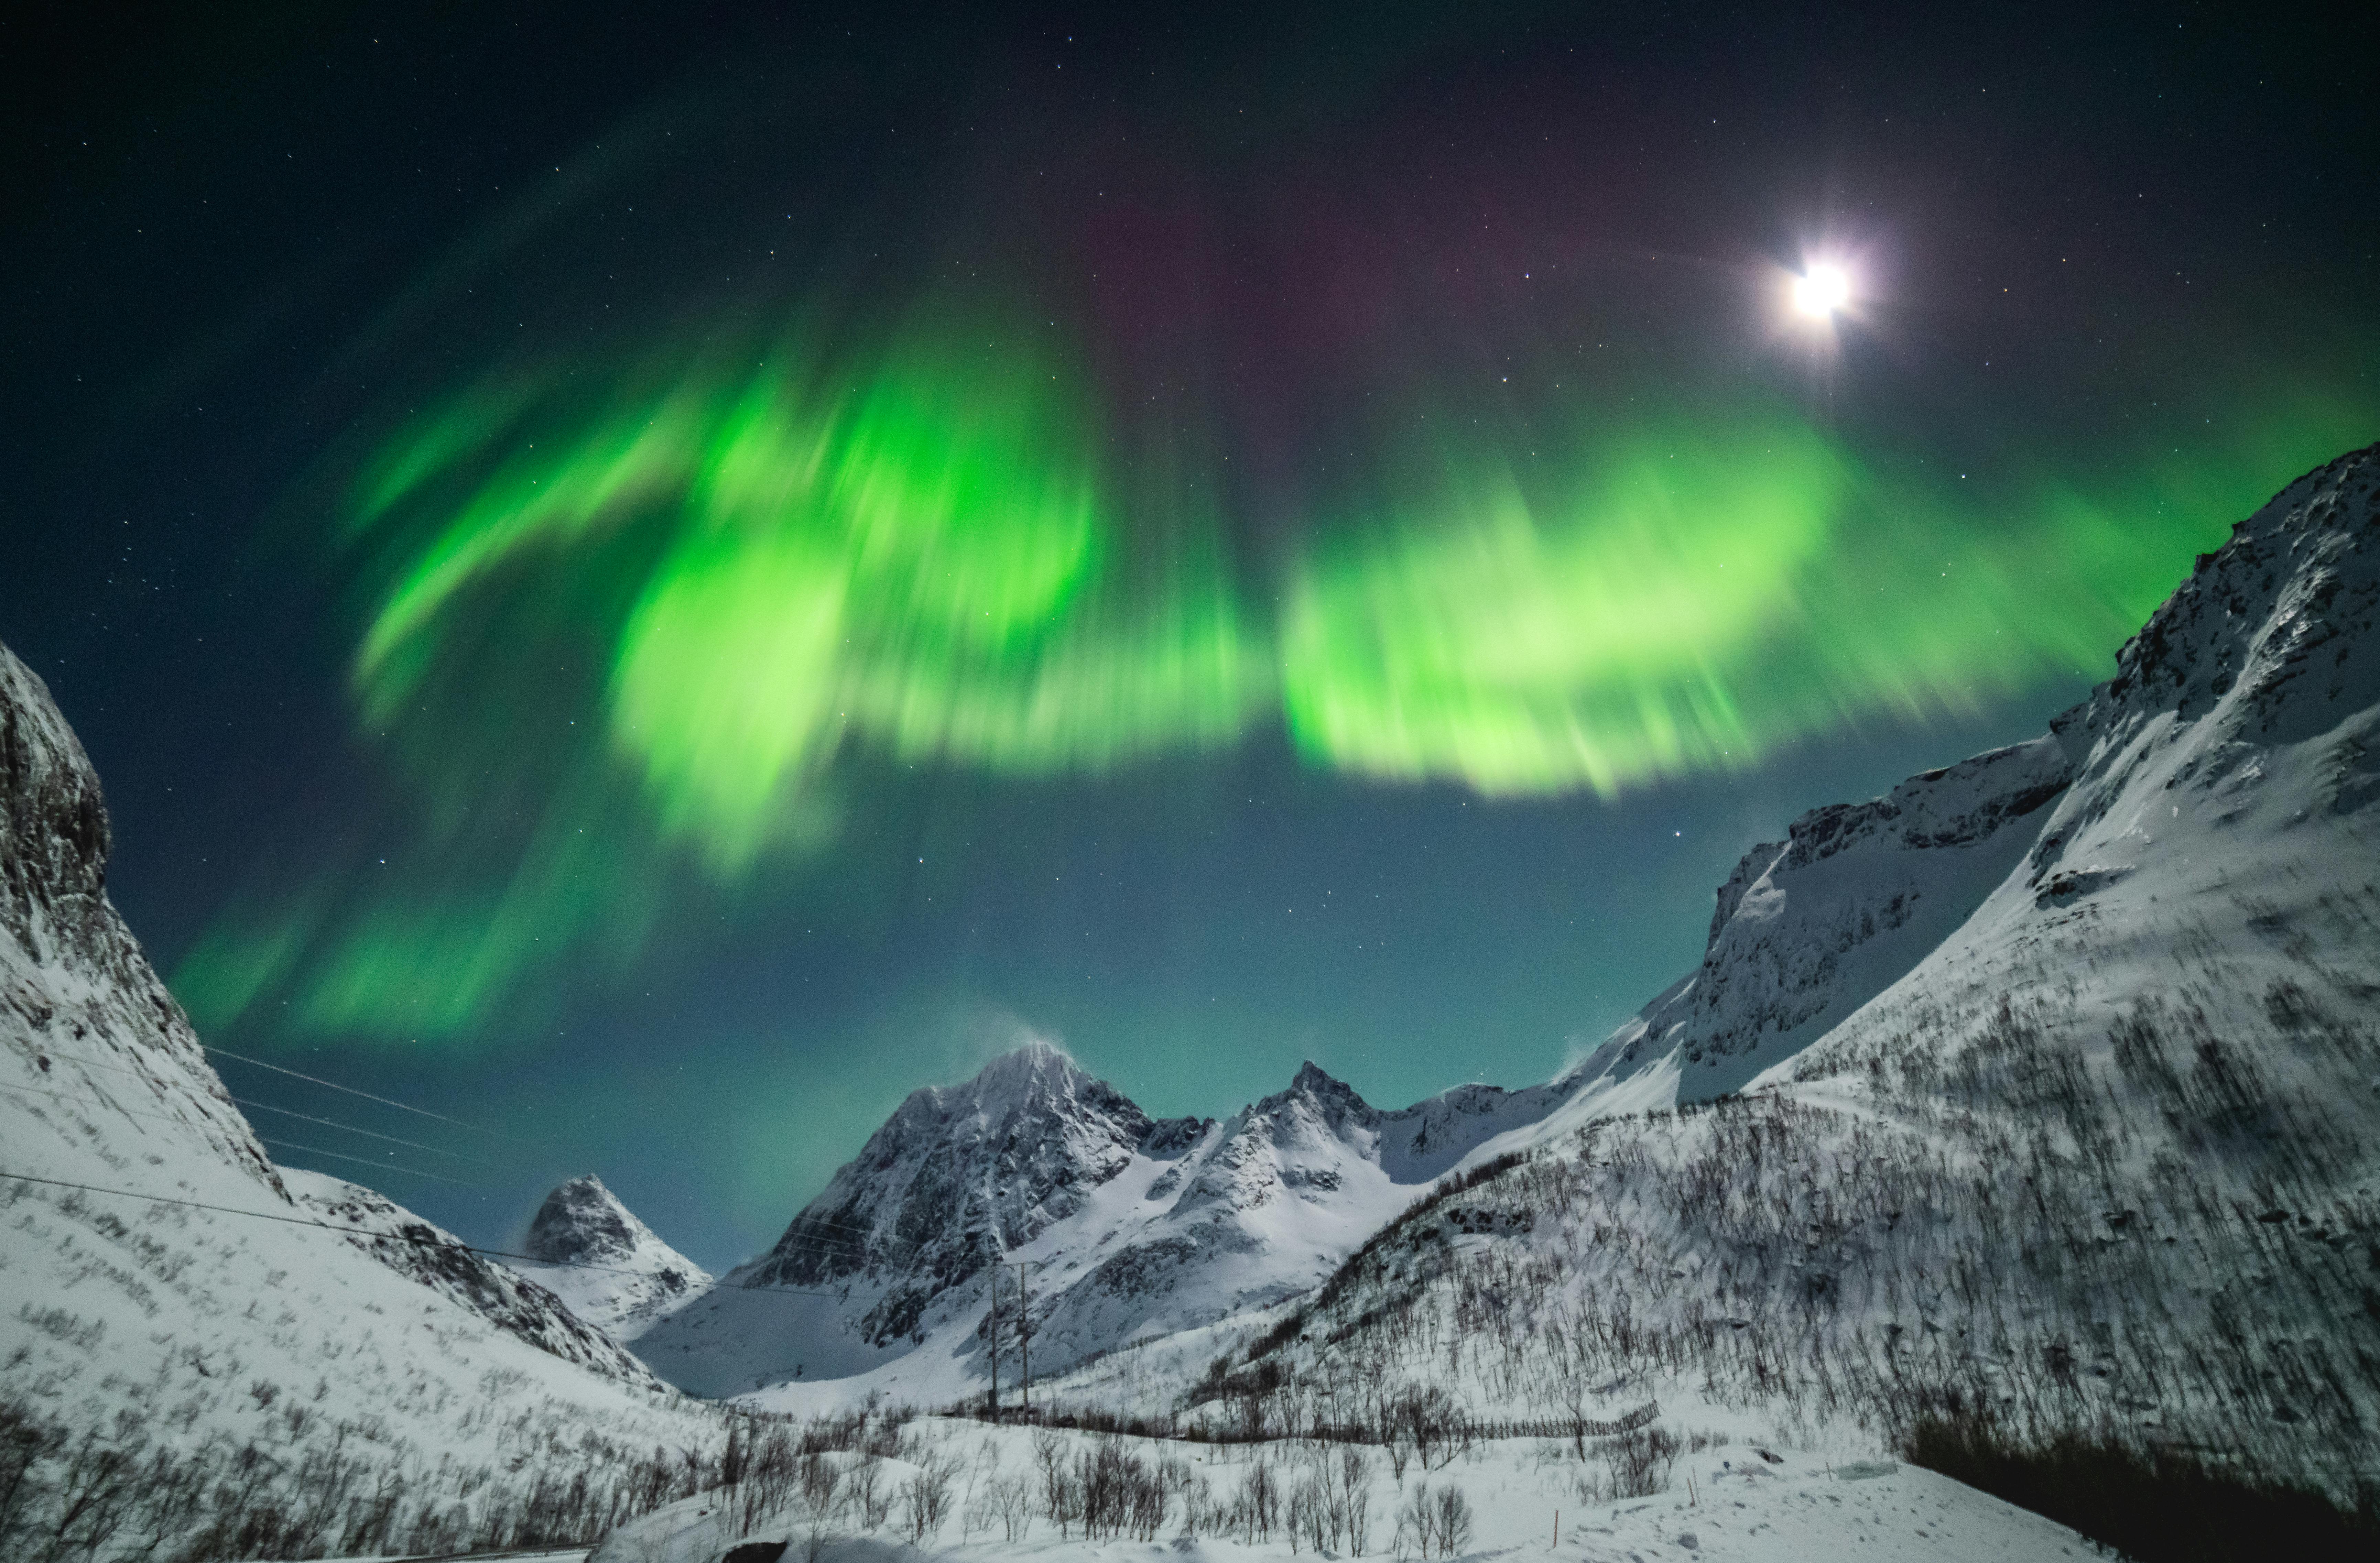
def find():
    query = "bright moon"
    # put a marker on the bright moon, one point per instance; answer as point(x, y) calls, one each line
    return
point(1821, 290)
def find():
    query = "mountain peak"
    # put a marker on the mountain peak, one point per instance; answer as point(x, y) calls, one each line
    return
point(957, 1176)
point(581, 1222)
point(1312, 1080)
point(1037, 1066)
point(613, 1271)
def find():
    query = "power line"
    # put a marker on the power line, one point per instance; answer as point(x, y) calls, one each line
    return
point(367, 1095)
point(286, 1145)
point(842, 1230)
point(365, 1162)
point(327, 1122)
point(869, 1233)
point(333, 1123)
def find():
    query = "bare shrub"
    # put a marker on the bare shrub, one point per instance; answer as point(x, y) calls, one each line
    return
point(925, 1497)
point(1435, 1522)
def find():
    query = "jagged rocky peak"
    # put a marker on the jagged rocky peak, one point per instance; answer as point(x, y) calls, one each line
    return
point(2277, 622)
point(582, 1221)
point(610, 1268)
point(1314, 1082)
point(437, 1259)
point(54, 834)
point(960, 1174)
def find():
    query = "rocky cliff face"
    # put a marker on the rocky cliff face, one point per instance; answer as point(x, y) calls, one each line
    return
point(2255, 680)
point(186, 1274)
point(2216, 848)
point(100, 1055)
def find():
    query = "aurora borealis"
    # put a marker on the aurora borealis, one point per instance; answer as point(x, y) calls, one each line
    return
point(796, 568)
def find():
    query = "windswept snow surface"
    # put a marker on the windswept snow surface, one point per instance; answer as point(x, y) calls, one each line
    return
point(590, 1251)
point(247, 1323)
point(1136, 1230)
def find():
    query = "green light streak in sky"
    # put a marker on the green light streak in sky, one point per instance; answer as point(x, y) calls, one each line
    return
point(1537, 643)
point(617, 640)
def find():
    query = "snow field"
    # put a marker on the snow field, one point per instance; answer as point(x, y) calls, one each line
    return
point(1729, 1499)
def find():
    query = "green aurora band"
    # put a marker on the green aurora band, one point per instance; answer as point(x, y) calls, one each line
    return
point(738, 569)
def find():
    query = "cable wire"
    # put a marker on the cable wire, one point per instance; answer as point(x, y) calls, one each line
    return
point(362, 1161)
point(286, 1145)
point(384, 1101)
point(148, 1080)
point(333, 1124)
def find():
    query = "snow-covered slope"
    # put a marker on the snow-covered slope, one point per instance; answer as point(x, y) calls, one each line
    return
point(1809, 929)
point(589, 1249)
point(1135, 1228)
point(440, 1261)
point(2215, 857)
point(205, 1307)
point(2106, 1153)
point(2218, 768)
point(1738, 1496)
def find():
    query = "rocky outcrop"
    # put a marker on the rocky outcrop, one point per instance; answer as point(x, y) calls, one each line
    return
point(86, 1026)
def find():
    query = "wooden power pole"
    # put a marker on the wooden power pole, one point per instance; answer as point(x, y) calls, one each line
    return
point(1024, 1337)
point(994, 1273)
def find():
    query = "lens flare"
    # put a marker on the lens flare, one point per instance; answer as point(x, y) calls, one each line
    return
point(1823, 291)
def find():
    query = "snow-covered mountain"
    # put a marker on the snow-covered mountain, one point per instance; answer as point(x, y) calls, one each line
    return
point(1809, 929)
point(2060, 1083)
point(165, 1288)
point(1136, 1227)
point(589, 1249)
point(2209, 798)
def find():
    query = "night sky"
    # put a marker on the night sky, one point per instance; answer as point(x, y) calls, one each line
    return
point(648, 582)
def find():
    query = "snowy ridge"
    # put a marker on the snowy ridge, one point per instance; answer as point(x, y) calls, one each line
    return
point(1809, 929)
point(438, 1260)
point(384, 1346)
point(589, 1249)
point(1139, 1228)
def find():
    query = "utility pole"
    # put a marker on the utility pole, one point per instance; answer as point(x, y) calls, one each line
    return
point(994, 1273)
point(1024, 1337)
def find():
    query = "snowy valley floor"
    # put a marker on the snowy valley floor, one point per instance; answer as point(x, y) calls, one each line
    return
point(1734, 1498)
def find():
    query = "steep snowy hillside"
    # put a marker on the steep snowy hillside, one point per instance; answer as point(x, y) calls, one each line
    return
point(613, 1272)
point(1809, 929)
point(204, 1310)
point(2107, 1155)
point(1137, 1229)
point(437, 1259)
